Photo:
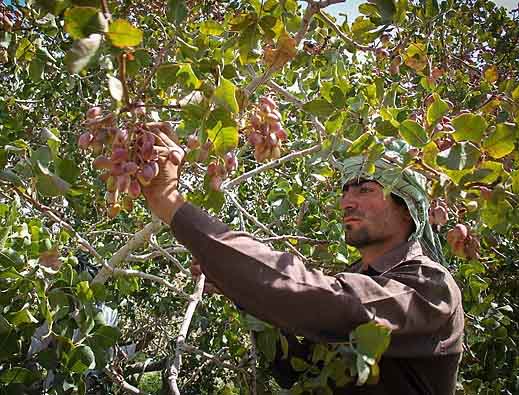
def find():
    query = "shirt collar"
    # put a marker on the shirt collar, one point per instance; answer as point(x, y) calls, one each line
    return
point(403, 252)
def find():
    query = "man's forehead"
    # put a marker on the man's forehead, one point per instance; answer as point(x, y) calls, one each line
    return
point(357, 182)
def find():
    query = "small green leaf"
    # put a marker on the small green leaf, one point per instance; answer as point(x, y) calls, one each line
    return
point(81, 52)
point(469, 127)
point(123, 34)
point(81, 358)
point(502, 141)
point(225, 95)
point(188, 76)
point(115, 87)
point(319, 107)
point(491, 74)
point(436, 110)
point(224, 139)
point(177, 11)
point(80, 22)
point(371, 339)
point(413, 133)
point(212, 28)
point(299, 364)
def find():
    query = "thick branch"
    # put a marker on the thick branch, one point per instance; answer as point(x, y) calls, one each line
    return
point(174, 368)
point(120, 256)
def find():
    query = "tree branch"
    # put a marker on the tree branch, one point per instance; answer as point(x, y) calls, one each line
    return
point(270, 165)
point(155, 244)
point(119, 380)
point(175, 364)
point(120, 256)
point(342, 35)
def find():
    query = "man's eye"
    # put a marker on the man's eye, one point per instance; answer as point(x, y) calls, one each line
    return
point(365, 190)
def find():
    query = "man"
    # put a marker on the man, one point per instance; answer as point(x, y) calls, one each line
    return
point(396, 283)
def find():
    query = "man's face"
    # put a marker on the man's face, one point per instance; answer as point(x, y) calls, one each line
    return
point(370, 218)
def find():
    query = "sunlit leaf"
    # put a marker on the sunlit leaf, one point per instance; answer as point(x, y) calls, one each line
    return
point(469, 127)
point(413, 133)
point(225, 95)
point(123, 34)
point(502, 141)
point(81, 22)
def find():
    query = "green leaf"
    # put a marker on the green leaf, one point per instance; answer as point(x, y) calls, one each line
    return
point(212, 28)
point(84, 292)
point(68, 170)
point(413, 133)
point(299, 364)
point(36, 69)
point(106, 336)
point(436, 110)
point(115, 87)
point(123, 34)
point(502, 141)
point(25, 50)
point(81, 52)
point(177, 11)
point(371, 339)
point(515, 181)
point(19, 375)
point(319, 107)
point(189, 77)
point(266, 341)
point(469, 127)
point(224, 139)
point(225, 95)
point(81, 358)
point(80, 22)
point(491, 74)
point(361, 144)
point(460, 156)
point(167, 75)
point(22, 317)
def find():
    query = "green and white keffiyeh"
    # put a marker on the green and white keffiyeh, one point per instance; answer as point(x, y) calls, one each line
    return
point(405, 183)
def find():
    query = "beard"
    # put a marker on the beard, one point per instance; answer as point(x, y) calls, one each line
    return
point(359, 237)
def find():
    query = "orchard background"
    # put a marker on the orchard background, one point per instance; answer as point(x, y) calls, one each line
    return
point(96, 299)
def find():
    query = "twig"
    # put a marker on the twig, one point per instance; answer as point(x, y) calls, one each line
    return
point(275, 163)
point(106, 10)
point(155, 244)
point(213, 358)
point(293, 237)
point(120, 256)
point(119, 380)
point(343, 36)
point(122, 77)
point(151, 277)
point(155, 254)
point(157, 62)
point(174, 366)
point(47, 211)
point(263, 227)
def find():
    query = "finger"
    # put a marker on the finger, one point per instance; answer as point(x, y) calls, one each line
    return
point(164, 131)
point(174, 154)
point(195, 270)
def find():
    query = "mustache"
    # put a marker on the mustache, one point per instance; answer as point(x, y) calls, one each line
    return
point(351, 212)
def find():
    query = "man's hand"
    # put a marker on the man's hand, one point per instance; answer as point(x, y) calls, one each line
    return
point(196, 271)
point(162, 195)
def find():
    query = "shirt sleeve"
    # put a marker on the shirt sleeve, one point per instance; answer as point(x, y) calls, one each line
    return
point(276, 286)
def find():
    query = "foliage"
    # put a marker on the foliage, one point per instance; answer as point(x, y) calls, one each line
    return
point(441, 76)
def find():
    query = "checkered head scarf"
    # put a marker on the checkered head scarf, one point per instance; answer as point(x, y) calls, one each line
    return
point(405, 183)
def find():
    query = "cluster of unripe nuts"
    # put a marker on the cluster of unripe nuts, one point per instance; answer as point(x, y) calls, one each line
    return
point(462, 242)
point(265, 132)
point(126, 155)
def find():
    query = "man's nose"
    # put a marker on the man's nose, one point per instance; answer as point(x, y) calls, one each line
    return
point(348, 202)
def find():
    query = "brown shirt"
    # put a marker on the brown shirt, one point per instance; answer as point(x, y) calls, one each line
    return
point(404, 290)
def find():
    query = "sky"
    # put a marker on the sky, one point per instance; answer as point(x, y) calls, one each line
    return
point(351, 8)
